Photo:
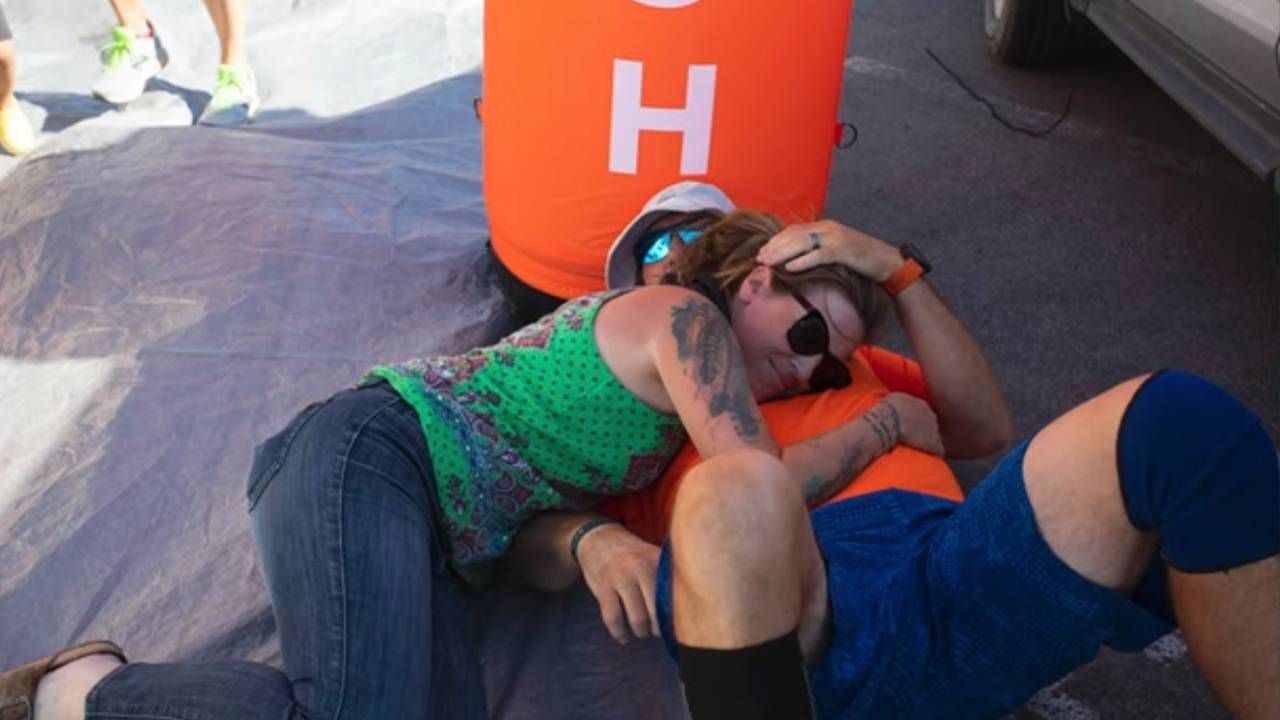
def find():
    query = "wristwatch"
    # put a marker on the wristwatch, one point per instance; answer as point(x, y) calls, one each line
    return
point(915, 267)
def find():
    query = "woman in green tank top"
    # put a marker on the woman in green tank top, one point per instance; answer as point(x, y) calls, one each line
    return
point(373, 510)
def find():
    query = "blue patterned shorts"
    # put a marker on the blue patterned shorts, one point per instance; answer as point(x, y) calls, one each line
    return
point(946, 610)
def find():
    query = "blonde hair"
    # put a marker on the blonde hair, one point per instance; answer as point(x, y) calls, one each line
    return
point(726, 255)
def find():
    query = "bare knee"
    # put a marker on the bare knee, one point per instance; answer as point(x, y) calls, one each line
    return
point(737, 503)
point(1074, 488)
point(741, 552)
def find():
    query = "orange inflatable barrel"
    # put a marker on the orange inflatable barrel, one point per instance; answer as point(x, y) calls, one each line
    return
point(592, 106)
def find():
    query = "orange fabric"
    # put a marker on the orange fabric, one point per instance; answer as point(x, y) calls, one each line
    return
point(648, 512)
point(898, 373)
point(558, 82)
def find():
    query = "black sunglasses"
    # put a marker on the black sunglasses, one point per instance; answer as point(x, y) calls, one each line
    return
point(810, 336)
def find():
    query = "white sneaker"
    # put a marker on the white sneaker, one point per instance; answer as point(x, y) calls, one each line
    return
point(235, 98)
point(128, 62)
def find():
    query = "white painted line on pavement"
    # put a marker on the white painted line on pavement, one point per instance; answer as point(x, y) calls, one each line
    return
point(1052, 703)
point(1167, 649)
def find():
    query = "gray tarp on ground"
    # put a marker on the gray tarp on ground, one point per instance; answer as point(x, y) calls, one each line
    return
point(170, 297)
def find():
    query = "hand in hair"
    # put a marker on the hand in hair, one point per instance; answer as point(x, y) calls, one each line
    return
point(825, 242)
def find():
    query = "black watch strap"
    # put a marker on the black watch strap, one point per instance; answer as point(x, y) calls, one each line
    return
point(911, 252)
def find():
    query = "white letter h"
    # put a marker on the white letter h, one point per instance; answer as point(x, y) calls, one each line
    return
point(630, 117)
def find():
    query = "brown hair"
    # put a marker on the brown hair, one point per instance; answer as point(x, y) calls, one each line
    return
point(726, 254)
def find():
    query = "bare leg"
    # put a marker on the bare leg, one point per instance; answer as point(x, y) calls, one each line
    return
point(61, 694)
point(1231, 620)
point(229, 21)
point(131, 14)
point(8, 74)
point(1074, 487)
point(746, 566)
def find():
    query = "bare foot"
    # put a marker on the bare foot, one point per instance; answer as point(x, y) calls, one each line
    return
point(61, 694)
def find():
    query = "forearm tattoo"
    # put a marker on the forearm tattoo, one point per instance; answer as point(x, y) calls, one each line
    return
point(818, 489)
point(704, 343)
point(886, 424)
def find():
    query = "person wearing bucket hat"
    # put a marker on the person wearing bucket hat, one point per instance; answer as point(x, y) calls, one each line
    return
point(642, 253)
point(673, 218)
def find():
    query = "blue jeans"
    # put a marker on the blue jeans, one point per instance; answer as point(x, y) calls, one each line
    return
point(372, 623)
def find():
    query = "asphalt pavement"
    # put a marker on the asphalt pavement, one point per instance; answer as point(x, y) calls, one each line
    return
point(1124, 241)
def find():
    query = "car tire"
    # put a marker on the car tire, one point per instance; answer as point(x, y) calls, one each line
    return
point(1027, 32)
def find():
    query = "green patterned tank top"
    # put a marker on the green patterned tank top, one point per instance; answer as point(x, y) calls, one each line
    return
point(535, 422)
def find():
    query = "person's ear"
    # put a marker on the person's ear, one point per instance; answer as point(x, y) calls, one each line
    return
point(758, 282)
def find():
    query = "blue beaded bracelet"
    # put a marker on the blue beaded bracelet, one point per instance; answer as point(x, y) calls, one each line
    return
point(585, 528)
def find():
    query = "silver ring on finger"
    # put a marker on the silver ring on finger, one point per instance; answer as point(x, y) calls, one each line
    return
point(815, 241)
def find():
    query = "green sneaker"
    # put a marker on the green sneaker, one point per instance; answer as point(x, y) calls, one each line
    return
point(235, 98)
point(128, 62)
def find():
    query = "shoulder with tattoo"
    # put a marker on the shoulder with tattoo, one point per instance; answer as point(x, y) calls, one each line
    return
point(705, 345)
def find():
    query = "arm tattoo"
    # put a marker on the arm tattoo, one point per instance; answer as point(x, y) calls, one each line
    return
point(853, 462)
point(886, 424)
point(704, 343)
point(818, 490)
point(813, 489)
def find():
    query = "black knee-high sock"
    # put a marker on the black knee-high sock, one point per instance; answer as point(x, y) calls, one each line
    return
point(764, 682)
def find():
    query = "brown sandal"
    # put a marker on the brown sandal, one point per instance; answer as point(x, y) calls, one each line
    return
point(18, 686)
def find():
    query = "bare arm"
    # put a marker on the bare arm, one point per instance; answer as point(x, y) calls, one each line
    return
point(972, 414)
point(539, 554)
point(620, 569)
point(699, 362)
point(826, 464)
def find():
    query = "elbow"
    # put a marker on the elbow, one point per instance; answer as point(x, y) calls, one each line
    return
point(553, 576)
point(547, 576)
point(995, 435)
point(555, 583)
point(998, 438)
point(992, 437)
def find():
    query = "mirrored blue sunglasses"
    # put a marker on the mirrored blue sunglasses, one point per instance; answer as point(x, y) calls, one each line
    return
point(660, 245)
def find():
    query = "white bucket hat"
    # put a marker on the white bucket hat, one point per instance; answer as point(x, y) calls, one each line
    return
point(620, 269)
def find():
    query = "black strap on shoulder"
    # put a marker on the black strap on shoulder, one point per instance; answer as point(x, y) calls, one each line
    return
point(710, 289)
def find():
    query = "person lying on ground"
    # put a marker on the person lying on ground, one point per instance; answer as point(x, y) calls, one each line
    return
point(374, 511)
point(1153, 505)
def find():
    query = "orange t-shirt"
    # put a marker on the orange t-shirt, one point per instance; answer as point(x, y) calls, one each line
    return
point(876, 372)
